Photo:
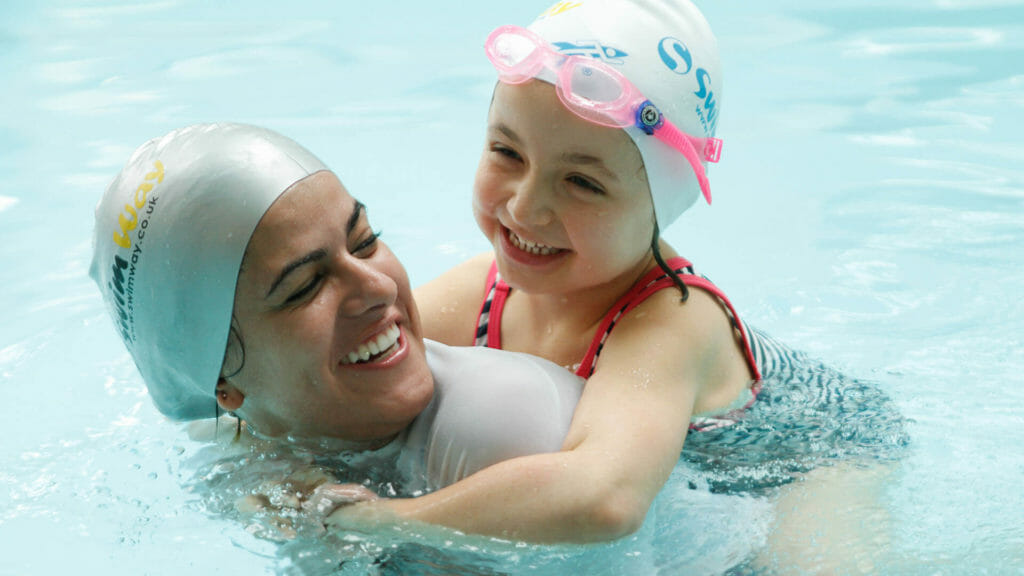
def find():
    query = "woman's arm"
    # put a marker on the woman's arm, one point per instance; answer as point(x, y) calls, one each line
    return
point(626, 436)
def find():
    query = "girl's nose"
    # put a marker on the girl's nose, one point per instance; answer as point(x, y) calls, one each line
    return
point(529, 205)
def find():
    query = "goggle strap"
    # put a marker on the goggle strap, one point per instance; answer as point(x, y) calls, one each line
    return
point(671, 135)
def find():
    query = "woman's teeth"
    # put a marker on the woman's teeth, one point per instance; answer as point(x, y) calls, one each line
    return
point(531, 247)
point(375, 347)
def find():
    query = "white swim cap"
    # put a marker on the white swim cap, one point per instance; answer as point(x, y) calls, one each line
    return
point(666, 49)
point(171, 231)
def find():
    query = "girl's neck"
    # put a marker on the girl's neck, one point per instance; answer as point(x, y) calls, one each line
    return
point(565, 320)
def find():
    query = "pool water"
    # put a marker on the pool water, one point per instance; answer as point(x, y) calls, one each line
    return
point(869, 210)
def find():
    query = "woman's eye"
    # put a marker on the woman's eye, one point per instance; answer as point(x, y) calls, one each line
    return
point(367, 246)
point(585, 183)
point(306, 289)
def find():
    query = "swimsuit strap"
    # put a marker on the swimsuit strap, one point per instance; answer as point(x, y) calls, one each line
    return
point(652, 282)
point(488, 321)
point(488, 331)
point(489, 327)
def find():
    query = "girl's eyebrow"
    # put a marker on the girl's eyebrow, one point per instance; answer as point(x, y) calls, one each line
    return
point(318, 254)
point(589, 161)
point(508, 132)
point(578, 158)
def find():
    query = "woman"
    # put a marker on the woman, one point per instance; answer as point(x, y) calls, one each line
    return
point(243, 277)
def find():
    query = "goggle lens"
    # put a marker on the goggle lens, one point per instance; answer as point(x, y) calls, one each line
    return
point(517, 57)
point(596, 93)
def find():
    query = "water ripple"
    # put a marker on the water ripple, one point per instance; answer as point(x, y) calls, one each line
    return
point(901, 41)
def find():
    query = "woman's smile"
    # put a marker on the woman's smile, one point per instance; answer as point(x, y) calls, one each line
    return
point(381, 351)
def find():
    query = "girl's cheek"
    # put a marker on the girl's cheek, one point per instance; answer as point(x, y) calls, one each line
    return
point(484, 194)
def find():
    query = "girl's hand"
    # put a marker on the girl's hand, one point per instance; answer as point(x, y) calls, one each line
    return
point(280, 509)
point(328, 498)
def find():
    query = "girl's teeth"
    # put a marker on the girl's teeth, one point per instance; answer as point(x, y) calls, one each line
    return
point(531, 247)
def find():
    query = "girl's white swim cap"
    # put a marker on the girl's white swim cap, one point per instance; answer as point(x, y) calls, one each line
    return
point(666, 49)
point(170, 234)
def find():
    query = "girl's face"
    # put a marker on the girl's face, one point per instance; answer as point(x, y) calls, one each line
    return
point(331, 335)
point(564, 201)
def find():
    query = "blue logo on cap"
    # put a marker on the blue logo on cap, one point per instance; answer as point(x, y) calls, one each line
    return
point(675, 55)
point(595, 50)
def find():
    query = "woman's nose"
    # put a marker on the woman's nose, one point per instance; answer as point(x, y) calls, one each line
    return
point(366, 286)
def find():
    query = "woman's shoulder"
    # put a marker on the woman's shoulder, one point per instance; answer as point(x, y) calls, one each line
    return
point(449, 304)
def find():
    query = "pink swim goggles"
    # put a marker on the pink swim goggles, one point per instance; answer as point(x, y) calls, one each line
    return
point(595, 92)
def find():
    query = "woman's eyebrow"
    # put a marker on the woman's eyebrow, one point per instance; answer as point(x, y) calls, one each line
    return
point(318, 254)
point(357, 210)
point(313, 256)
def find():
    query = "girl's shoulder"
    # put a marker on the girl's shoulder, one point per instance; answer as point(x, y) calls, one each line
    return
point(449, 304)
point(698, 331)
point(698, 319)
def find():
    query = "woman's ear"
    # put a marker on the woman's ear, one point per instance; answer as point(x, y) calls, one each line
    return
point(229, 398)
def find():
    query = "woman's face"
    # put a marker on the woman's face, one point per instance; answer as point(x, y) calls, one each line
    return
point(331, 335)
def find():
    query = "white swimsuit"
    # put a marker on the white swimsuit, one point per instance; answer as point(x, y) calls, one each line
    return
point(488, 406)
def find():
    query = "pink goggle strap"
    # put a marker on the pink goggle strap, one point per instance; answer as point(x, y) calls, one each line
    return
point(669, 134)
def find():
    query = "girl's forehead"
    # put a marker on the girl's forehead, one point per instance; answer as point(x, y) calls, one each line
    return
point(533, 114)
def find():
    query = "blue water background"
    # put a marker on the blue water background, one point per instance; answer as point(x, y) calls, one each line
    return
point(869, 208)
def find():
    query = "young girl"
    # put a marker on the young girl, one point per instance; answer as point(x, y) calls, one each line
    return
point(597, 137)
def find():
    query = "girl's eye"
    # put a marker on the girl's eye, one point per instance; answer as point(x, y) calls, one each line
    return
point(506, 152)
point(307, 289)
point(586, 184)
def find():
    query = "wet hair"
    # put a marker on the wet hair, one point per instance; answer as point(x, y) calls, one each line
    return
point(683, 290)
point(656, 235)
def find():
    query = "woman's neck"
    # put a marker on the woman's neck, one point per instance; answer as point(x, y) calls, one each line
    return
point(324, 444)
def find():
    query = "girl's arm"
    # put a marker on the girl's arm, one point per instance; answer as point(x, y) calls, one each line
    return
point(626, 437)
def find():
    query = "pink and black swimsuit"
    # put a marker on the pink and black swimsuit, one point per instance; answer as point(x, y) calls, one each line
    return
point(756, 349)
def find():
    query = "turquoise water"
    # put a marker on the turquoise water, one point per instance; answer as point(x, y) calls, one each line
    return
point(869, 209)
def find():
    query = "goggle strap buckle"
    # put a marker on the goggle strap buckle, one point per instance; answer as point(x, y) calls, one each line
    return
point(712, 149)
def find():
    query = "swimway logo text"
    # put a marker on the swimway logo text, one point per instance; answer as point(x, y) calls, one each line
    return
point(677, 58)
point(122, 286)
point(559, 8)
